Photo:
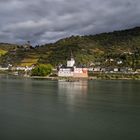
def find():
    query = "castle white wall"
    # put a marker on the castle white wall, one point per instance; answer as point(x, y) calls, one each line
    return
point(65, 72)
point(78, 72)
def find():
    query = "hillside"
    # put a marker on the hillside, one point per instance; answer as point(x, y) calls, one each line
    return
point(5, 47)
point(88, 50)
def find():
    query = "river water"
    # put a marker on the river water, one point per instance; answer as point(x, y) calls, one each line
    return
point(32, 109)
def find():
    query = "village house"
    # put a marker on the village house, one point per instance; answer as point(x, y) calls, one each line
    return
point(21, 68)
point(119, 62)
point(97, 69)
point(3, 68)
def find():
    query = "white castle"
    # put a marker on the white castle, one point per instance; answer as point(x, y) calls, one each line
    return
point(72, 71)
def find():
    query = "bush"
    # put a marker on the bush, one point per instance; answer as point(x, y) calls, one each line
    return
point(42, 70)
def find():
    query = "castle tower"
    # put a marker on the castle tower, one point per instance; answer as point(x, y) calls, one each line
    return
point(71, 62)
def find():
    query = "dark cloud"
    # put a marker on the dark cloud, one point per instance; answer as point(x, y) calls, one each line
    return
point(42, 21)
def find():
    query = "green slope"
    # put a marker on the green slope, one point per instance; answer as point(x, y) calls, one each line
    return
point(119, 45)
point(91, 49)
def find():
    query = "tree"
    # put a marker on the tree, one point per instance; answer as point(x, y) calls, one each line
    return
point(42, 70)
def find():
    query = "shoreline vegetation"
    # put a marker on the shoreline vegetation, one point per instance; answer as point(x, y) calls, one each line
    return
point(94, 76)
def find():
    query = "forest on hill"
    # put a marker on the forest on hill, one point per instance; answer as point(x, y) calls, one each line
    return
point(104, 50)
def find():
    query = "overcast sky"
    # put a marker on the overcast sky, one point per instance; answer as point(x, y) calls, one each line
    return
point(44, 21)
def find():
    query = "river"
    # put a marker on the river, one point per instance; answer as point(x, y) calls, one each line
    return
point(33, 109)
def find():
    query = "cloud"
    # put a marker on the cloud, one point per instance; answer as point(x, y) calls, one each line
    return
point(43, 21)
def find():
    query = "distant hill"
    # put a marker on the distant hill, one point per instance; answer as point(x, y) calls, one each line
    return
point(104, 49)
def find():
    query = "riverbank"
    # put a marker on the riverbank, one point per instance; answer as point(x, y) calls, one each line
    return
point(95, 76)
point(115, 76)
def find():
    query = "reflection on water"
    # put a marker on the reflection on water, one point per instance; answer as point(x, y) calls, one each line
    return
point(73, 88)
point(72, 91)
